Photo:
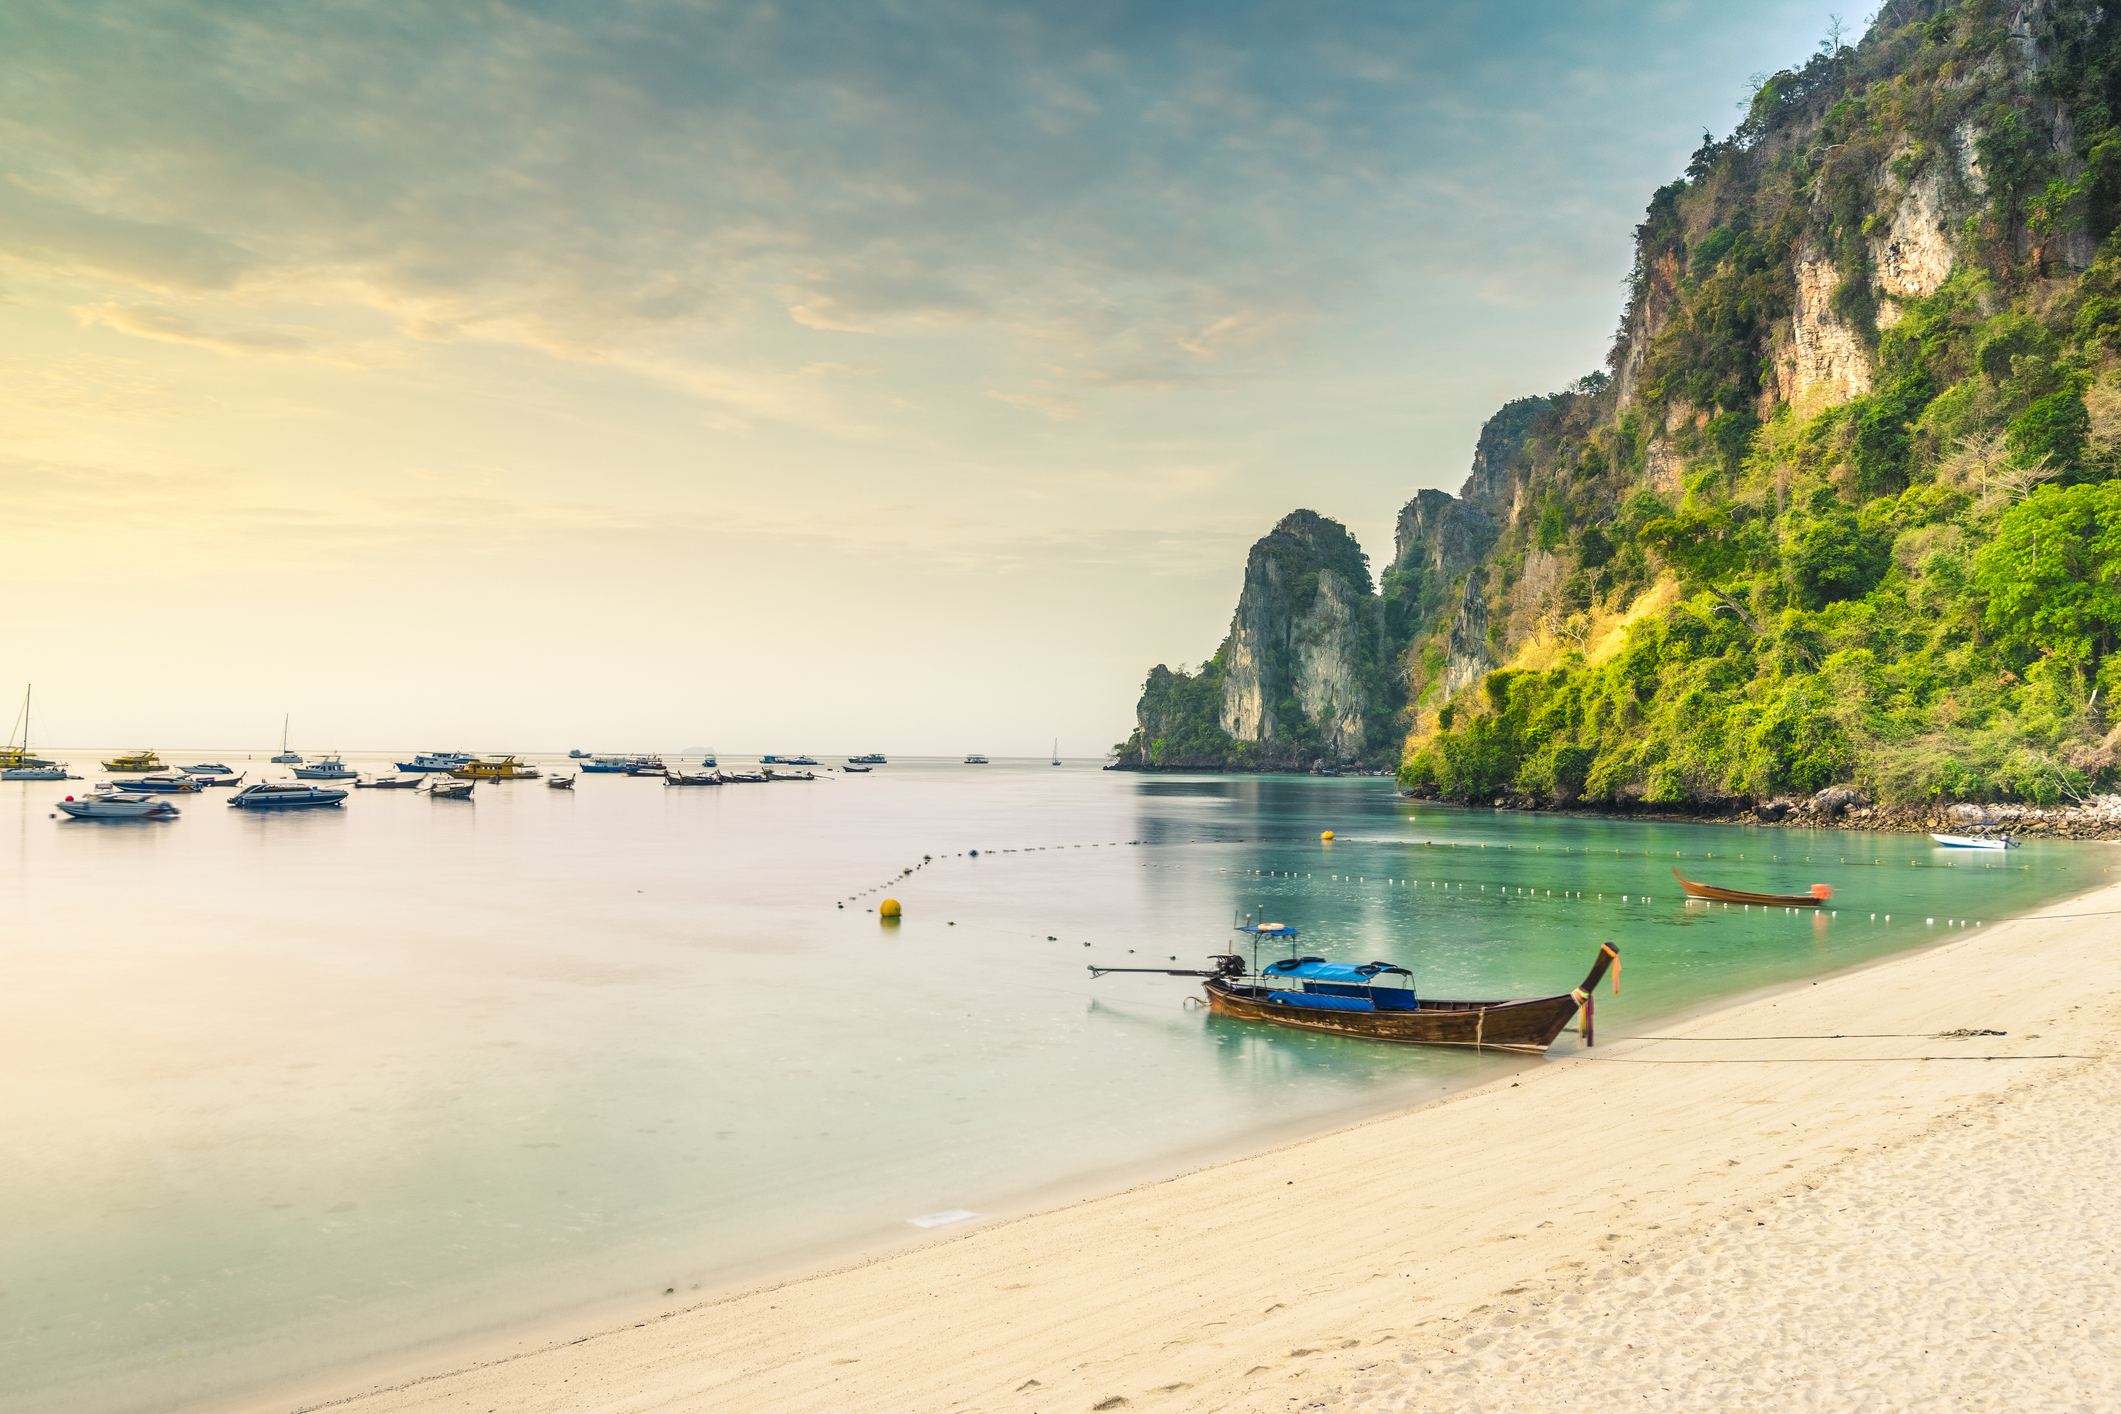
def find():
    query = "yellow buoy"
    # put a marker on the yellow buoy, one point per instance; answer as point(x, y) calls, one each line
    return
point(887, 909)
point(1325, 834)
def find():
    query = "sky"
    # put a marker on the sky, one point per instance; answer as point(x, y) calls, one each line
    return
point(771, 376)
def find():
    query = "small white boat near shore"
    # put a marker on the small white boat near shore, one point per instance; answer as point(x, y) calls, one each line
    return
point(1975, 841)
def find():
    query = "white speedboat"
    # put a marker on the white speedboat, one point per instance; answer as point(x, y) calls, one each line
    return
point(164, 783)
point(36, 773)
point(326, 768)
point(436, 761)
point(1976, 841)
point(208, 768)
point(117, 805)
point(281, 795)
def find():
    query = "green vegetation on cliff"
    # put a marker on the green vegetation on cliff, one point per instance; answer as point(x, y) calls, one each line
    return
point(1847, 510)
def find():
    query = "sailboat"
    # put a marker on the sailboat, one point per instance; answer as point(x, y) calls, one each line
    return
point(16, 764)
point(18, 753)
point(1056, 751)
point(286, 757)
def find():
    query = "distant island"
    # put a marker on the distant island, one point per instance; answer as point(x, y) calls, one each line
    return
point(1840, 513)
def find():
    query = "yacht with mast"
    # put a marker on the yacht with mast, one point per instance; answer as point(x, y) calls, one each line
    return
point(16, 763)
point(286, 757)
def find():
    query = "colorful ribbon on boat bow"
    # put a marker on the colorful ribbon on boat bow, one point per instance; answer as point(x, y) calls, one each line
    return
point(1614, 953)
point(1583, 1000)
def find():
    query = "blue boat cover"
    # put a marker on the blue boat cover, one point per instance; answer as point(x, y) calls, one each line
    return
point(1315, 969)
point(1318, 1001)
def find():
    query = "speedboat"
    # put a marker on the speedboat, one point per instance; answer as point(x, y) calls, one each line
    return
point(495, 768)
point(210, 768)
point(326, 768)
point(214, 775)
point(283, 794)
point(874, 758)
point(137, 761)
point(36, 773)
point(618, 765)
point(1976, 841)
point(975, 759)
point(164, 783)
point(449, 790)
point(436, 761)
point(117, 805)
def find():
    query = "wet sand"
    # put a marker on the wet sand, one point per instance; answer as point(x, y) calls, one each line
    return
point(1855, 1212)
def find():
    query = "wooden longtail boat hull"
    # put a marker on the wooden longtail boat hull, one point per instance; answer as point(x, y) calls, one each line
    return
point(1527, 1024)
point(1710, 891)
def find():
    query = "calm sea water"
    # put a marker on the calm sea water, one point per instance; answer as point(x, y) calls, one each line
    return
point(289, 1095)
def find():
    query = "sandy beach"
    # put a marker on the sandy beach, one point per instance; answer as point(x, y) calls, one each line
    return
point(1816, 1198)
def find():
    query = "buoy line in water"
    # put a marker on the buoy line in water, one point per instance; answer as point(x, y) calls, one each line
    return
point(1328, 840)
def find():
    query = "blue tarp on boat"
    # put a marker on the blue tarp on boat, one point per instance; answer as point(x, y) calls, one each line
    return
point(1317, 969)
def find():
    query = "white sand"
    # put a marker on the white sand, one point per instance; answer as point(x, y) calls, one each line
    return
point(1867, 1231)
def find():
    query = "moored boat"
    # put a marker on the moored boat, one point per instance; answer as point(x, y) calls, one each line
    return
point(2003, 841)
point(692, 778)
point(743, 778)
point(449, 790)
point(15, 755)
point(560, 783)
point(578, 755)
point(1343, 999)
point(1820, 894)
point(389, 783)
point(118, 805)
point(435, 761)
point(37, 773)
point(874, 758)
point(975, 759)
point(327, 768)
point(284, 795)
point(136, 761)
point(286, 757)
point(858, 770)
point(164, 783)
point(208, 768)
point(647, 769)
point(496, 768)
point(773, 775)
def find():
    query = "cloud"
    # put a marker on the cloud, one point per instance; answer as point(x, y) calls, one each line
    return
point(170, 327)
point(1057, 409)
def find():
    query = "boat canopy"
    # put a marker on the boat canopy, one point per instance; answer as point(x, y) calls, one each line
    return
point(1268, 930)
point(1317, 969)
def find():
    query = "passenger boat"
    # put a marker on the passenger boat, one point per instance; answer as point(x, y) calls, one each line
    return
point(798, 760)
point(389, 783)
point(435, 761)
point(449, 790)
point(1820, 894)
point(284, 795)
point(692, 778)
point(1344, 999)
point(975, 759)
point(874, 758)
point(2003, 841)
point(577, 755)
point(495, 768)
point(607, 766)
point(560, 783)
point(327, 768)
point(164, 783)
point(286, 757)
point(646, 769)
point(138, 761)
point(118, 805)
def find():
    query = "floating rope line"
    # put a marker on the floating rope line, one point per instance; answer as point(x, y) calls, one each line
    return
point(1819, 1060)
point(1963, 1035)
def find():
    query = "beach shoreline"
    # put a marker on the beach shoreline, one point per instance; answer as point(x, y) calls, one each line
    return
point(896, 1321)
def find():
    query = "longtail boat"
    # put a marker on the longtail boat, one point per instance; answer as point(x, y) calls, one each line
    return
point(1820, 894)
point(1343, 999)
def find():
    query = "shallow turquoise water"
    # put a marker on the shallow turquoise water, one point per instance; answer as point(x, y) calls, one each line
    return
point(291, 1094)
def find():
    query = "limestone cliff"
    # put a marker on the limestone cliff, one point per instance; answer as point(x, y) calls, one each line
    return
point(1301, 677)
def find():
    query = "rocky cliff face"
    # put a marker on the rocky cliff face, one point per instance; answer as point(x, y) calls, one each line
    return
point(1442, 534)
